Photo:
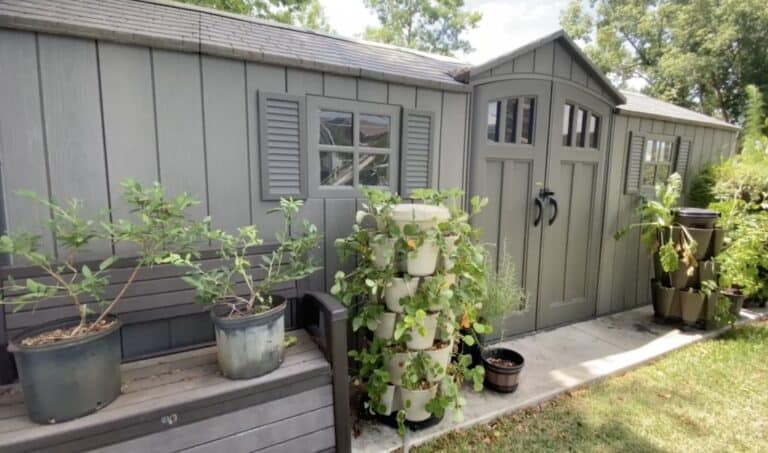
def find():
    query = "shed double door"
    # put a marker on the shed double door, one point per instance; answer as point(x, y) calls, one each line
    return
point(553, 242)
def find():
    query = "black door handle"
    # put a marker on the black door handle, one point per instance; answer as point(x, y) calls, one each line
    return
point(539, 211)
point(553, 202)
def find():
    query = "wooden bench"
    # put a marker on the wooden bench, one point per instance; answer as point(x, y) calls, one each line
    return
point(174, 398)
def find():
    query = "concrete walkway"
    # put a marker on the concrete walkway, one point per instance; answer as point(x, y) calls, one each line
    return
point(557, 361)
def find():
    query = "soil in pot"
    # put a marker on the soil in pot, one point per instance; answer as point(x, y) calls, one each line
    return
point(420, 340)
point(399, 288)
point(415, 403)
point(502, 369)
point(87, 373)
point(663, 298)
point(251, 345)
point(423, 261)
point(691, 304)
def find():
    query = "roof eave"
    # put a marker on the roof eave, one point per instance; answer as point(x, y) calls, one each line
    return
point(675, 119)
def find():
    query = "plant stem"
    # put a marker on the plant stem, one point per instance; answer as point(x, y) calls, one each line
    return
point(119, 296)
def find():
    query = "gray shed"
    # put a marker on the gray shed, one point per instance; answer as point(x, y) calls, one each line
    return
point(239, 112)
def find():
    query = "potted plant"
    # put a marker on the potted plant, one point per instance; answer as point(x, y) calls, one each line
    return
point(85, 350)
point(417, 389)
point(249, 321)
point(504, 297)
point(669, 242)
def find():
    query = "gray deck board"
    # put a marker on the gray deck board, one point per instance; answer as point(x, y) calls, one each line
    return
point(161, 384)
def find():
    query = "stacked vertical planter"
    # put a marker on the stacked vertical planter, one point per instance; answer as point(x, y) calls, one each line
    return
point(684, 295)
point(415, 265)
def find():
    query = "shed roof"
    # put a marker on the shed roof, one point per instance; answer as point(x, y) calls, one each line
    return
point(642, 105)
point(170, 25)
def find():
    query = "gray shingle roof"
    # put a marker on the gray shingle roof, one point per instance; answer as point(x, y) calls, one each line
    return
point(174, 26)
point(643, 105)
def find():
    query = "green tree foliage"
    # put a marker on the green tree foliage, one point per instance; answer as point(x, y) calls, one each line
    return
point(304, 13)
point(428, 25)
point(696, 53)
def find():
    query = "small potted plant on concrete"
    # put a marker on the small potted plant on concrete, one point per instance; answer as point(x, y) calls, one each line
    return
point(249, 321)
point(71, 367)
point(504, 297)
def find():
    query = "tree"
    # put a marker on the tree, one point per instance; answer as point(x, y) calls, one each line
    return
point(304, 13)
point(699, 54)
point(429, 25)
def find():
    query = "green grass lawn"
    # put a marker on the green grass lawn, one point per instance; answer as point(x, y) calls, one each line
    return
point(709, 397)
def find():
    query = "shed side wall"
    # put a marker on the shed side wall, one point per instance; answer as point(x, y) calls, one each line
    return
point(625, 267)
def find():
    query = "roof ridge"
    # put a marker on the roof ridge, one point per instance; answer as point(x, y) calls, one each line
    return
point(271, 23)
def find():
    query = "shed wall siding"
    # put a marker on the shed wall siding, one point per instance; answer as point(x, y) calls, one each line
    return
point(81, 115)
point(625, 267)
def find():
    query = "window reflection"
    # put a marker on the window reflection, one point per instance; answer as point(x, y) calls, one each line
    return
point(594, 131)
point(510, 128)
point(526, 134)
point(335, 128)
point(567, 124)
point(374, 169)
point(374, 130)
point(336, 168)
point(493, 120)
point(581, 127)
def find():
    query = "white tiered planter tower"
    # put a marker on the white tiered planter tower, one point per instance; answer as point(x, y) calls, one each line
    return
point(416, 270)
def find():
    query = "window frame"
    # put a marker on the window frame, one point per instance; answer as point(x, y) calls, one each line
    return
point(315, 104)
point(572, 132)
point(657, 138)
point(501, 119)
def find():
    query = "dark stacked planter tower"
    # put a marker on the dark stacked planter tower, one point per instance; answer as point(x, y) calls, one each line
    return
point(689, 294)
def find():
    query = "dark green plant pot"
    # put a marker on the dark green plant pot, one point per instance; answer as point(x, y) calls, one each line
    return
point(680, 278)
point(737, 300)
point(702, 236)
point(69, 379)
point(691, 305)
point(250, 346)
point(663, 299)
point(716, 245)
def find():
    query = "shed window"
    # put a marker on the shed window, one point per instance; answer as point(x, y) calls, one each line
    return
point(511, 120)
point(657, 161)
point(567, 125)
point(353, 144)
point(581, 127)
point(529, 107)
point(594, 131)
point(493, 120)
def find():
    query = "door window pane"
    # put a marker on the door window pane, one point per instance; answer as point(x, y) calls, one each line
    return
point(374, 130)
point(650, 152)
point(336, 168)
point(510, 128)
point(493, 120)
point(374, 169)
point(526, 134)
point(567, 124)
point(662, 172)
point(581, 127)
point(335, 128)
point(594, 131)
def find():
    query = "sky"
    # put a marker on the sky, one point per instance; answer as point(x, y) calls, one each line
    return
point(506, 24)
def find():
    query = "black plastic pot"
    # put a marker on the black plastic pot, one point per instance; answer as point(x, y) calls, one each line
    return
point(501, 378)
point(473, 350)
point(71, 378)
point(696, 218)
point(250, 346)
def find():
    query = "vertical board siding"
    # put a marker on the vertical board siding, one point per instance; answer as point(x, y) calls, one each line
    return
point(69, 79)
point(453, 138)
point(402, 95)
point(22, 143)
point(371, 91)
point(339, 87)
point(179, 105)
point(271, 79)
point(300, 81)
point(226, 143)
point(129, 120)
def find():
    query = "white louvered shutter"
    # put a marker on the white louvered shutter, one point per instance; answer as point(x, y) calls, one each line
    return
point(417, 150)
point(282, 150)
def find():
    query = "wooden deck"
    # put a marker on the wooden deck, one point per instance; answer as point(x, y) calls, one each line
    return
point(181, 402)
